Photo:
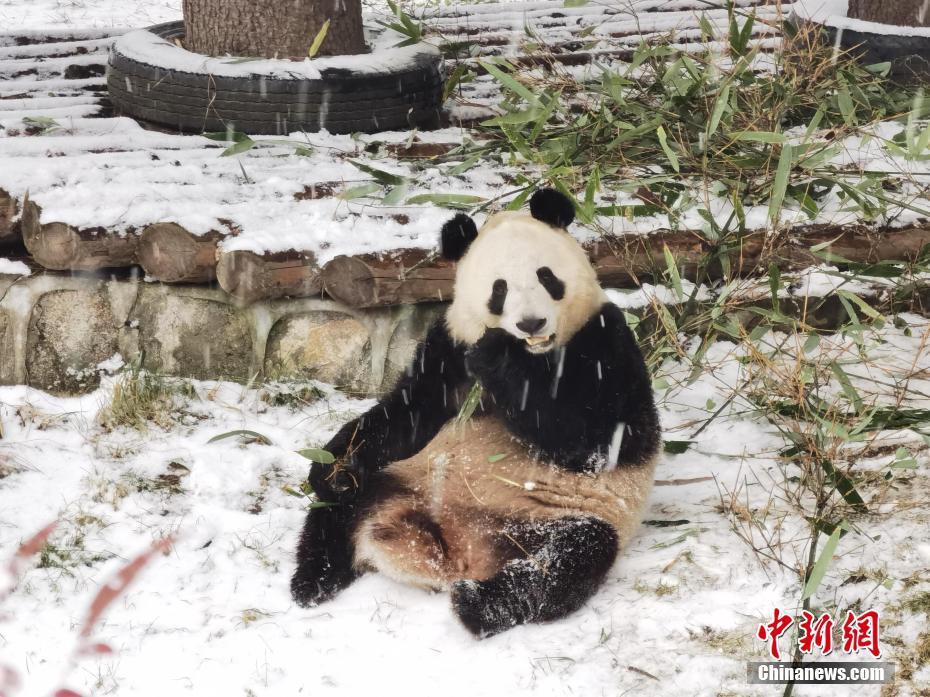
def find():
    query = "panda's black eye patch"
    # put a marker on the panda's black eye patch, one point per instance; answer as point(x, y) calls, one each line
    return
point(553, 285)
point(498, 295)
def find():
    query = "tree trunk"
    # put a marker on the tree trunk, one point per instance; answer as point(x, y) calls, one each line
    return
point(272, 28)
point(904, 13)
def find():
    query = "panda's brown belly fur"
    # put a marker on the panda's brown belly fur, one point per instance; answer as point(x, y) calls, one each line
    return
point(454, 509)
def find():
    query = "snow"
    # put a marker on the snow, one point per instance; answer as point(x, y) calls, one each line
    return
point(13, 268)
point(676, 615)
point(42, 15)
point(385, 58)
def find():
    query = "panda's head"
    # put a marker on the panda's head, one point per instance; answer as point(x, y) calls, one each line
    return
point(522, 273)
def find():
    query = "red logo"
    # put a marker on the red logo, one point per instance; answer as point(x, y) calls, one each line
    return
point(861, 633)
point(816, 633)
point(773, 630)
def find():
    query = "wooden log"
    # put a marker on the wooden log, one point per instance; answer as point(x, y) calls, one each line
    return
point(9, 230)
point(249, 277)
point(60, 247)
point(371, 280)
point(625, 261)
point(171, 254)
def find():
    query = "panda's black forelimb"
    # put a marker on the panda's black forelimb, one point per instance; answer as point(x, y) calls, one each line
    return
point(324, 555)
point(425, 397)
point(573, 403)
point(565, 561)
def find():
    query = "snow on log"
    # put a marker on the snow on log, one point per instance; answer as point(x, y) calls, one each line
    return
point(60, 247)
point(249, 277)
point(171, 254)
point(625, 261)
point(9, 231)
point(395, 278)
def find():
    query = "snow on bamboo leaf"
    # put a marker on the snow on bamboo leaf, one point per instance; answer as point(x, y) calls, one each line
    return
point(118, 585)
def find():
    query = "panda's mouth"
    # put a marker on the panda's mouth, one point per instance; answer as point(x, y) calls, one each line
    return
point(539, 344)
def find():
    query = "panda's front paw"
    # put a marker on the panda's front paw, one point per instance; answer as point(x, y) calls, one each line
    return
point(490, 353)
point(334, 482)
point(324, 556)
point(318, 581)
point(482, 609)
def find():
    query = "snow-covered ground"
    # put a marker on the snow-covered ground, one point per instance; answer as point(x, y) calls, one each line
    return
point(677, 615)
point(82, 14)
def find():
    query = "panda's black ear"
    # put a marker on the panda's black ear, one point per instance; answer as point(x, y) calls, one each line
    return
point(456, 235)
point(552, 207)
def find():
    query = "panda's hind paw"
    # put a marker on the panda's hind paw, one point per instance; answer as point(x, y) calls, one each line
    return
point(478, 610)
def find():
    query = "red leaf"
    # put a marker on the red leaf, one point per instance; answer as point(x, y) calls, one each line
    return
point(26, 550)
point(9, 682)
point(64, 692)
point(34, 543)
point(117, 586)
point(94, 649)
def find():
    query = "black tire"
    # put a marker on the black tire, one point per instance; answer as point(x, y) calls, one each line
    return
point(909, 55)
point(352, 101)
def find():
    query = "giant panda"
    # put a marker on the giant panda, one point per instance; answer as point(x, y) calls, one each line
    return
point(520, 509)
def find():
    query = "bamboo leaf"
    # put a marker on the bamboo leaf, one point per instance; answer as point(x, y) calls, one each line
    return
point(379, 174)
point(677, 447)
point(239, 146)
point(821, 565)
point(673, 274)
point(395, 195)
point(318, 40)
point(844, 485)
point(472, 400)
point(254, 435)
point(509, 82)
point(846, 385)
point(324, 457)
point(813, 341)
point(785, 160)
point(760, 137)
point(723, 101)
point(864, 306)
point(359, 191)
point(669, 153)
point(456, 201)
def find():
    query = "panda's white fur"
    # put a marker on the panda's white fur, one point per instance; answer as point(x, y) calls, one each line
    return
point(511, 245)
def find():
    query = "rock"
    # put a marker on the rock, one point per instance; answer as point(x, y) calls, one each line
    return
point(70, 332)
point(7, 350)
point(189, 336)
point(329, 346)
point(412, 323)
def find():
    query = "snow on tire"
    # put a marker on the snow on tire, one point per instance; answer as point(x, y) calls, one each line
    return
point(152, 78)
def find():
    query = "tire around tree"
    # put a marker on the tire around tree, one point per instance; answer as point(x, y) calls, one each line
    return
point(352, 93)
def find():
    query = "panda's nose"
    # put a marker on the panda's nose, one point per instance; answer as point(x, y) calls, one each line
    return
point(530, 325)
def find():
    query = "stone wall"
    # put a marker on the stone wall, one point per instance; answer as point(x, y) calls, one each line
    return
point(56, 330)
